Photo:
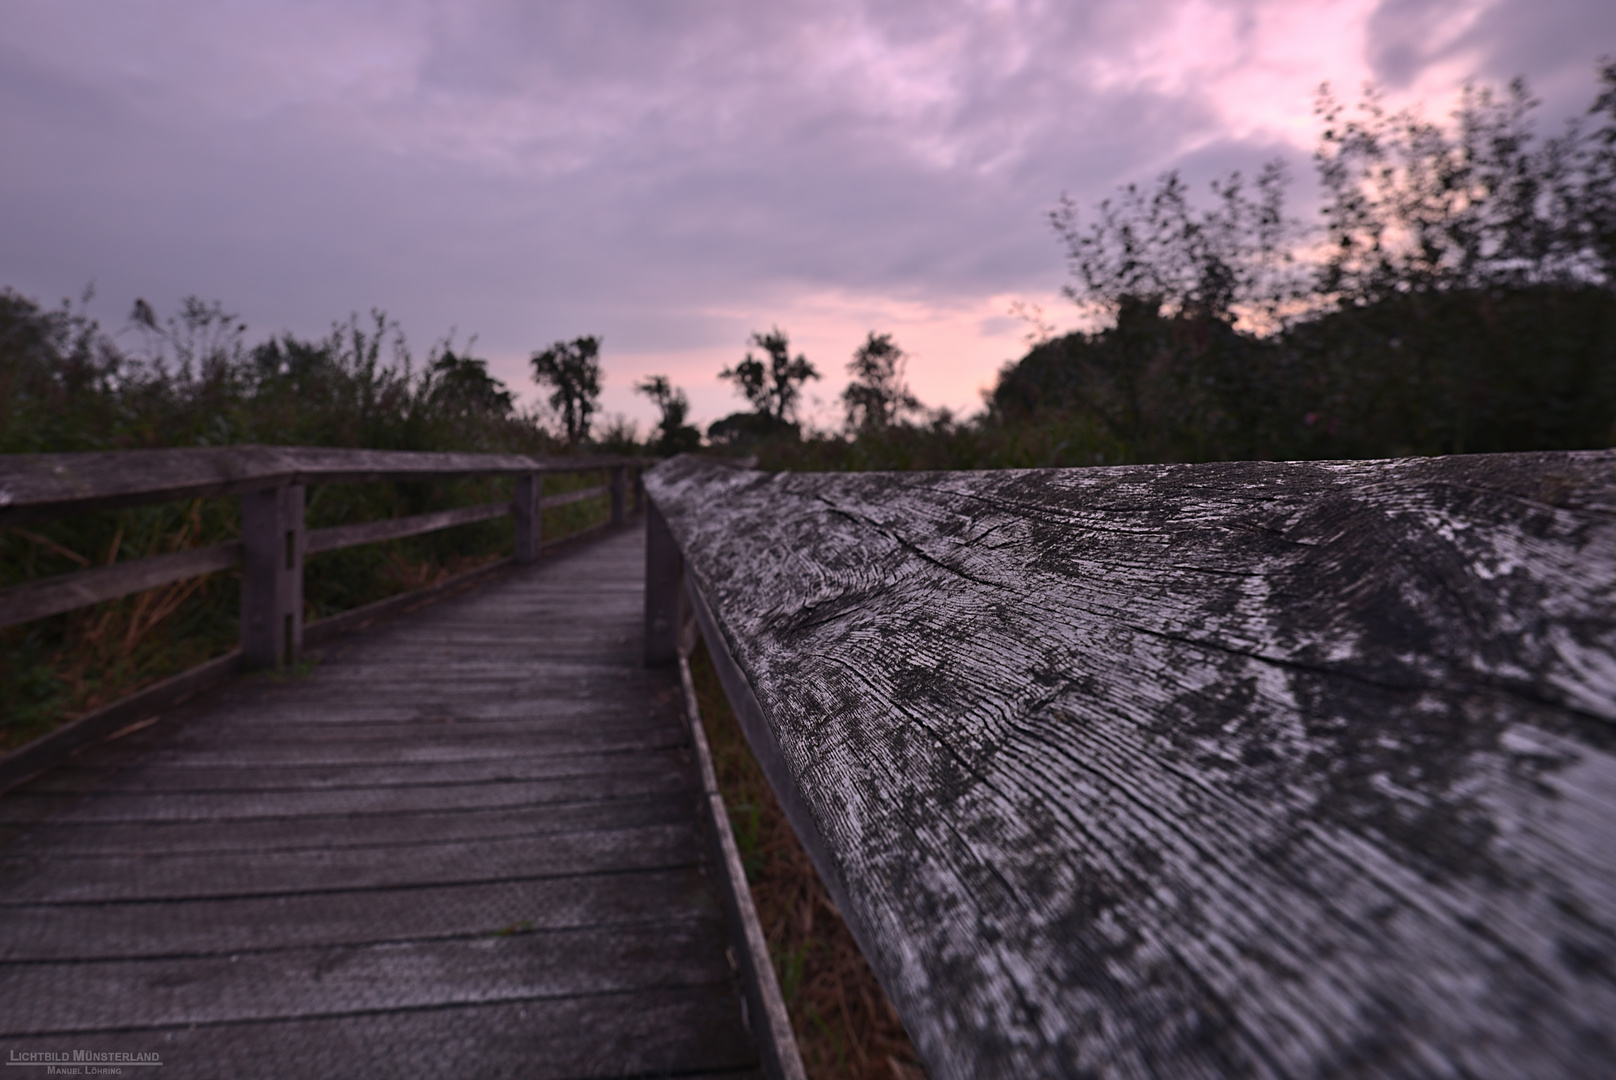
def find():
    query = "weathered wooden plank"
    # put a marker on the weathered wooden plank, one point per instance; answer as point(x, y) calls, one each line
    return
point(33, 879)
point(53, 837)
point(162, 778)
point(66, 932)
point(659, 774)
point(287, 984)
point(550, 502)
point(36, 486)
point(337, 537)
point(52, 596)
point(766, 1006)
point(123, 895)
point(1235, 769)
point(266, 748)
point(642, 1033)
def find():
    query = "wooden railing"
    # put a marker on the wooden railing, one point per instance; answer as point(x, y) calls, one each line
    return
point(1240, 769)
point(271, 483)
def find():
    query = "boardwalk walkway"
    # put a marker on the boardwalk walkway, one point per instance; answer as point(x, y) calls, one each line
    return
point(466, 844)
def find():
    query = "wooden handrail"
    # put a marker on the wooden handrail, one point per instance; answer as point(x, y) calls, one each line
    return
point(271, 481)
point(41, 486)
point(1234, 769)
point(337, 537)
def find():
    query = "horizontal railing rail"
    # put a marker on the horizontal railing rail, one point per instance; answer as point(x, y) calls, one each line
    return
point(36, 487)
point(68, 592)
point(1238, 769)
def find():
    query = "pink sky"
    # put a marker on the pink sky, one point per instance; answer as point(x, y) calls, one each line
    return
point(672, 177)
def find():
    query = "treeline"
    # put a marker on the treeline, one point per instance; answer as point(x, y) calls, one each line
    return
point(65, 384)
point(1459, 296)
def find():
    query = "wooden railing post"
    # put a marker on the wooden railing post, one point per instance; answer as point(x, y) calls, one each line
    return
point(619, 493)
point(526, 510)
point(664, 571)
point(639, 489)
point(272, 576)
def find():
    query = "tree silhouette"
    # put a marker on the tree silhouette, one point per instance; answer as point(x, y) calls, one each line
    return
point(676, 435)
point(774, 387)
point(573, 369)
point(878, 395)
point(462, 386)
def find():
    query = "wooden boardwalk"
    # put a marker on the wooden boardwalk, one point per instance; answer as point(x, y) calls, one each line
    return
point(468, 843)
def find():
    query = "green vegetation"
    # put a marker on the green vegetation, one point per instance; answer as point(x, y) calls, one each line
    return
point(573, 370)
point(1460, 296)
point(773, 386)
point(65, 385)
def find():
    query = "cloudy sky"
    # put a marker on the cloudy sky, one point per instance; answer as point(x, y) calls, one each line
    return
point(673, 175)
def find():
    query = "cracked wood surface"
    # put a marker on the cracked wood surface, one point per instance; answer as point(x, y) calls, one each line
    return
point(468, 843)
point(1238, 769)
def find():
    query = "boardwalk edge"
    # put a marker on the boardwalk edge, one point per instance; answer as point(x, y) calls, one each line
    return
point(767, 1018)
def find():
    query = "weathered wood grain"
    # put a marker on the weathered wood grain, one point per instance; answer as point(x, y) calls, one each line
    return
point(513, 766)
point(286, 984)
point(674, 1032)
point(466, 842)
point(549, 502)
point(1240, 769)
point(766, 1006)
point(54, 837)
point(40, 486)
point(54, 595)
point(660, 774)
point(336, 537)
point(45, 933)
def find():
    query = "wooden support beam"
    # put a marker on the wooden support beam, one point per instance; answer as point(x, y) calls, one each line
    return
point(272, 576)
point(663, 570)
point(529, 517)
point(1239, 769)
point(766, 1007)
point(371, 532)
point(619, 494)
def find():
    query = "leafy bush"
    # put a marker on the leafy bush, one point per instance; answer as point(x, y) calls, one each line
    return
point(1459, 297)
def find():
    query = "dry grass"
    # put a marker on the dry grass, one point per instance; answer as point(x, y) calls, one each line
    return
point(54, 670)
point(844, 1025)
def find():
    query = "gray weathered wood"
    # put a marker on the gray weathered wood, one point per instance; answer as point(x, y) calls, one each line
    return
point(663, 583)
point(40, 486)
point(567, 498)
point(619, 486)
point(766, 1006)
point(335, 537)
point(274, 544)
point(379, 866)
point(529, 517)
point(52, 596)
point(1241, 769)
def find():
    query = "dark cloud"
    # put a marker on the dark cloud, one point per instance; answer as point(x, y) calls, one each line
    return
point(667, 175)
